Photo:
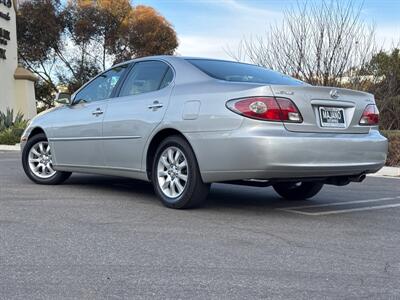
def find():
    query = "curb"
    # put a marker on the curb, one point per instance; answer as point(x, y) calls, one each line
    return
point(388, 172)
point(10, 147)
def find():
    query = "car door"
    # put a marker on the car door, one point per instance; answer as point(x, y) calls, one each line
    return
point(77, 134)
point(134, 114)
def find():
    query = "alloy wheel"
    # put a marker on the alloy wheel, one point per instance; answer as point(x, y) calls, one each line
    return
point(40, 160)
point(172, 172)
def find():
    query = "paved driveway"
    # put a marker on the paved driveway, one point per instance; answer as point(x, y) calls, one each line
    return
point(103, 237)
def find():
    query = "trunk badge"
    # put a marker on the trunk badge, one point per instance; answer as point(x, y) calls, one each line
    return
point(334, 94)
point(284, 93)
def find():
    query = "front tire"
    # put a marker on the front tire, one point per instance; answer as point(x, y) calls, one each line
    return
point(175, 175)
point(37, 162)
point(297, 190)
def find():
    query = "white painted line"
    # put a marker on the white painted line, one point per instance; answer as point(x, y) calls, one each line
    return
point(339, 203)
point(342, 211)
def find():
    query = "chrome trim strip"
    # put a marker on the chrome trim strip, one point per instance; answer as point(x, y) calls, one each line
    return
point(91, 138)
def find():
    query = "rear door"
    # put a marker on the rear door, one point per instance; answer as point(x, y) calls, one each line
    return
point(326, 109)
point(134, 114)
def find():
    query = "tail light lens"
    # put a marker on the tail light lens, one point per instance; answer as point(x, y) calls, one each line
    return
point(370, 115)
point(266, 108)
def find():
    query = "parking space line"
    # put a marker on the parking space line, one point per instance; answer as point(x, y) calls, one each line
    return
point(339, 203)
point(341, 211)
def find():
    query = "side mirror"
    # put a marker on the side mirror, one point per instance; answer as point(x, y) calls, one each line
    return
point(63, 98)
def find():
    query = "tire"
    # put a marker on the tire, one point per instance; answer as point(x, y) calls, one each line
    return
point(297, 190)
point(52, 177)
point(169, 172)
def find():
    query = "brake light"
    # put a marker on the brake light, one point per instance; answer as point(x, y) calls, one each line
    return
point(370, 115)
point(266, 108)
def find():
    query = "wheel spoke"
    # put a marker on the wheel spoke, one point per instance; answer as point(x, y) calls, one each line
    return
point(164, 162)
point(34, 151)
point(50, 168)
point(182, 164)
point(179, 186)
point(177, 155)
point(166, 184)
point(172, 188)
point(170, 156)
point(162, 173)
point(182, 176)
point(41, 149)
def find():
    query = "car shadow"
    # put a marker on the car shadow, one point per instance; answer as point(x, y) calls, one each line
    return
point(220, 196)
point(110, 183)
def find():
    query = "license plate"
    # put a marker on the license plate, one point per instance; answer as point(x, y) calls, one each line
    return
point(332, 117)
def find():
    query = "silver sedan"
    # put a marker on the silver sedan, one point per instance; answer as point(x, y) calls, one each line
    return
point(184, 123)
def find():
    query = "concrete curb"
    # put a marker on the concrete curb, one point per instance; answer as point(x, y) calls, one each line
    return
point(388, 172)
point(10, 147)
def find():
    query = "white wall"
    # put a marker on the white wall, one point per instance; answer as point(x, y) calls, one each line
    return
point(8, 66)
point(16, 84)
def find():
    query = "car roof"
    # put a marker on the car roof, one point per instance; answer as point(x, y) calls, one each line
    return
point(169, 58)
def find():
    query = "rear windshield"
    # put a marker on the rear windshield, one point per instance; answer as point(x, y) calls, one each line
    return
point(239, 72)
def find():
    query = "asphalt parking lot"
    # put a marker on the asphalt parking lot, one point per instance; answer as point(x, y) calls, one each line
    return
point(100, 237)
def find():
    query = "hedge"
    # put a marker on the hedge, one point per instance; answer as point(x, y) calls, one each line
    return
point(394, 147)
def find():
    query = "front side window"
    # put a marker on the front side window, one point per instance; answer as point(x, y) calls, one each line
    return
point(102, 86)
point(146, 76)
point(239, 72)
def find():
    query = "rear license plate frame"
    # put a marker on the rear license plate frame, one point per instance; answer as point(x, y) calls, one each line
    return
point(328, 117)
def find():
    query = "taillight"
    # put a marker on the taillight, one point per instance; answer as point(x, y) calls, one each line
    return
point(370, 115)
point(266, 108)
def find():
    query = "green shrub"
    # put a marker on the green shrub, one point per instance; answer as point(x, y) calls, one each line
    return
point(9, 137)
point(394, 147)
point(11, 128)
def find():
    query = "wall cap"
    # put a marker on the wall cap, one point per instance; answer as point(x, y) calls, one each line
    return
point(23, 74)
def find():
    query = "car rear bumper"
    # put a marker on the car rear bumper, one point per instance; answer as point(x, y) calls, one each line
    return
point(257, 153)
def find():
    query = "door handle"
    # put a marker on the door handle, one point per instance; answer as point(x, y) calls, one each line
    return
point(156, 105)
point(97, 112)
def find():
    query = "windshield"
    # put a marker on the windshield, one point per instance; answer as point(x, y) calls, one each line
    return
point(239, 72)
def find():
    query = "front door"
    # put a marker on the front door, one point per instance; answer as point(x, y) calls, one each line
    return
point(77, 134)
point(134, 114)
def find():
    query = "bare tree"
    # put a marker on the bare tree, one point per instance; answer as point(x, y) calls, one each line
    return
point(321, 42)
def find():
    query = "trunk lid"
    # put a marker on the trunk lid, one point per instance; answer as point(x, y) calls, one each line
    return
point(326, 109)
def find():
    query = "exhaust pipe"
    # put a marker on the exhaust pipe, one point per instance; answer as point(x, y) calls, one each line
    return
point(358, 178)
point(345, 180)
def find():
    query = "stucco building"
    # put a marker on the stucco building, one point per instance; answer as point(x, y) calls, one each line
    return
point(16, 83)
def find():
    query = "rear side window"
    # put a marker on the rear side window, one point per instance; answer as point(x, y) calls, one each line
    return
point(167, 78)
point(146, 76)
point(239, 72)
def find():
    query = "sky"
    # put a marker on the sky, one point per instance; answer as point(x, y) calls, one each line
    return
point(207, 28)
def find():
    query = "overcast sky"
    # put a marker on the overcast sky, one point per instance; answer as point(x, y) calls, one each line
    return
point(206, 27)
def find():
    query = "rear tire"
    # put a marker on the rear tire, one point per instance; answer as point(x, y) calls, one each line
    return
point(297, 190)
point(38, 164)
point(175, 175)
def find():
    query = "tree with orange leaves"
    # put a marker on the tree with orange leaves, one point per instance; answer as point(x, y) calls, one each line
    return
point(145, 32)
point(121, 30)
point(69, 42)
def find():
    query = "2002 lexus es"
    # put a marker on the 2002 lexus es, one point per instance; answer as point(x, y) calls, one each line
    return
point(183, 123)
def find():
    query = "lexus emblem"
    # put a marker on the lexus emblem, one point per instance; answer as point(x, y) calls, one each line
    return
point(334, 94)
